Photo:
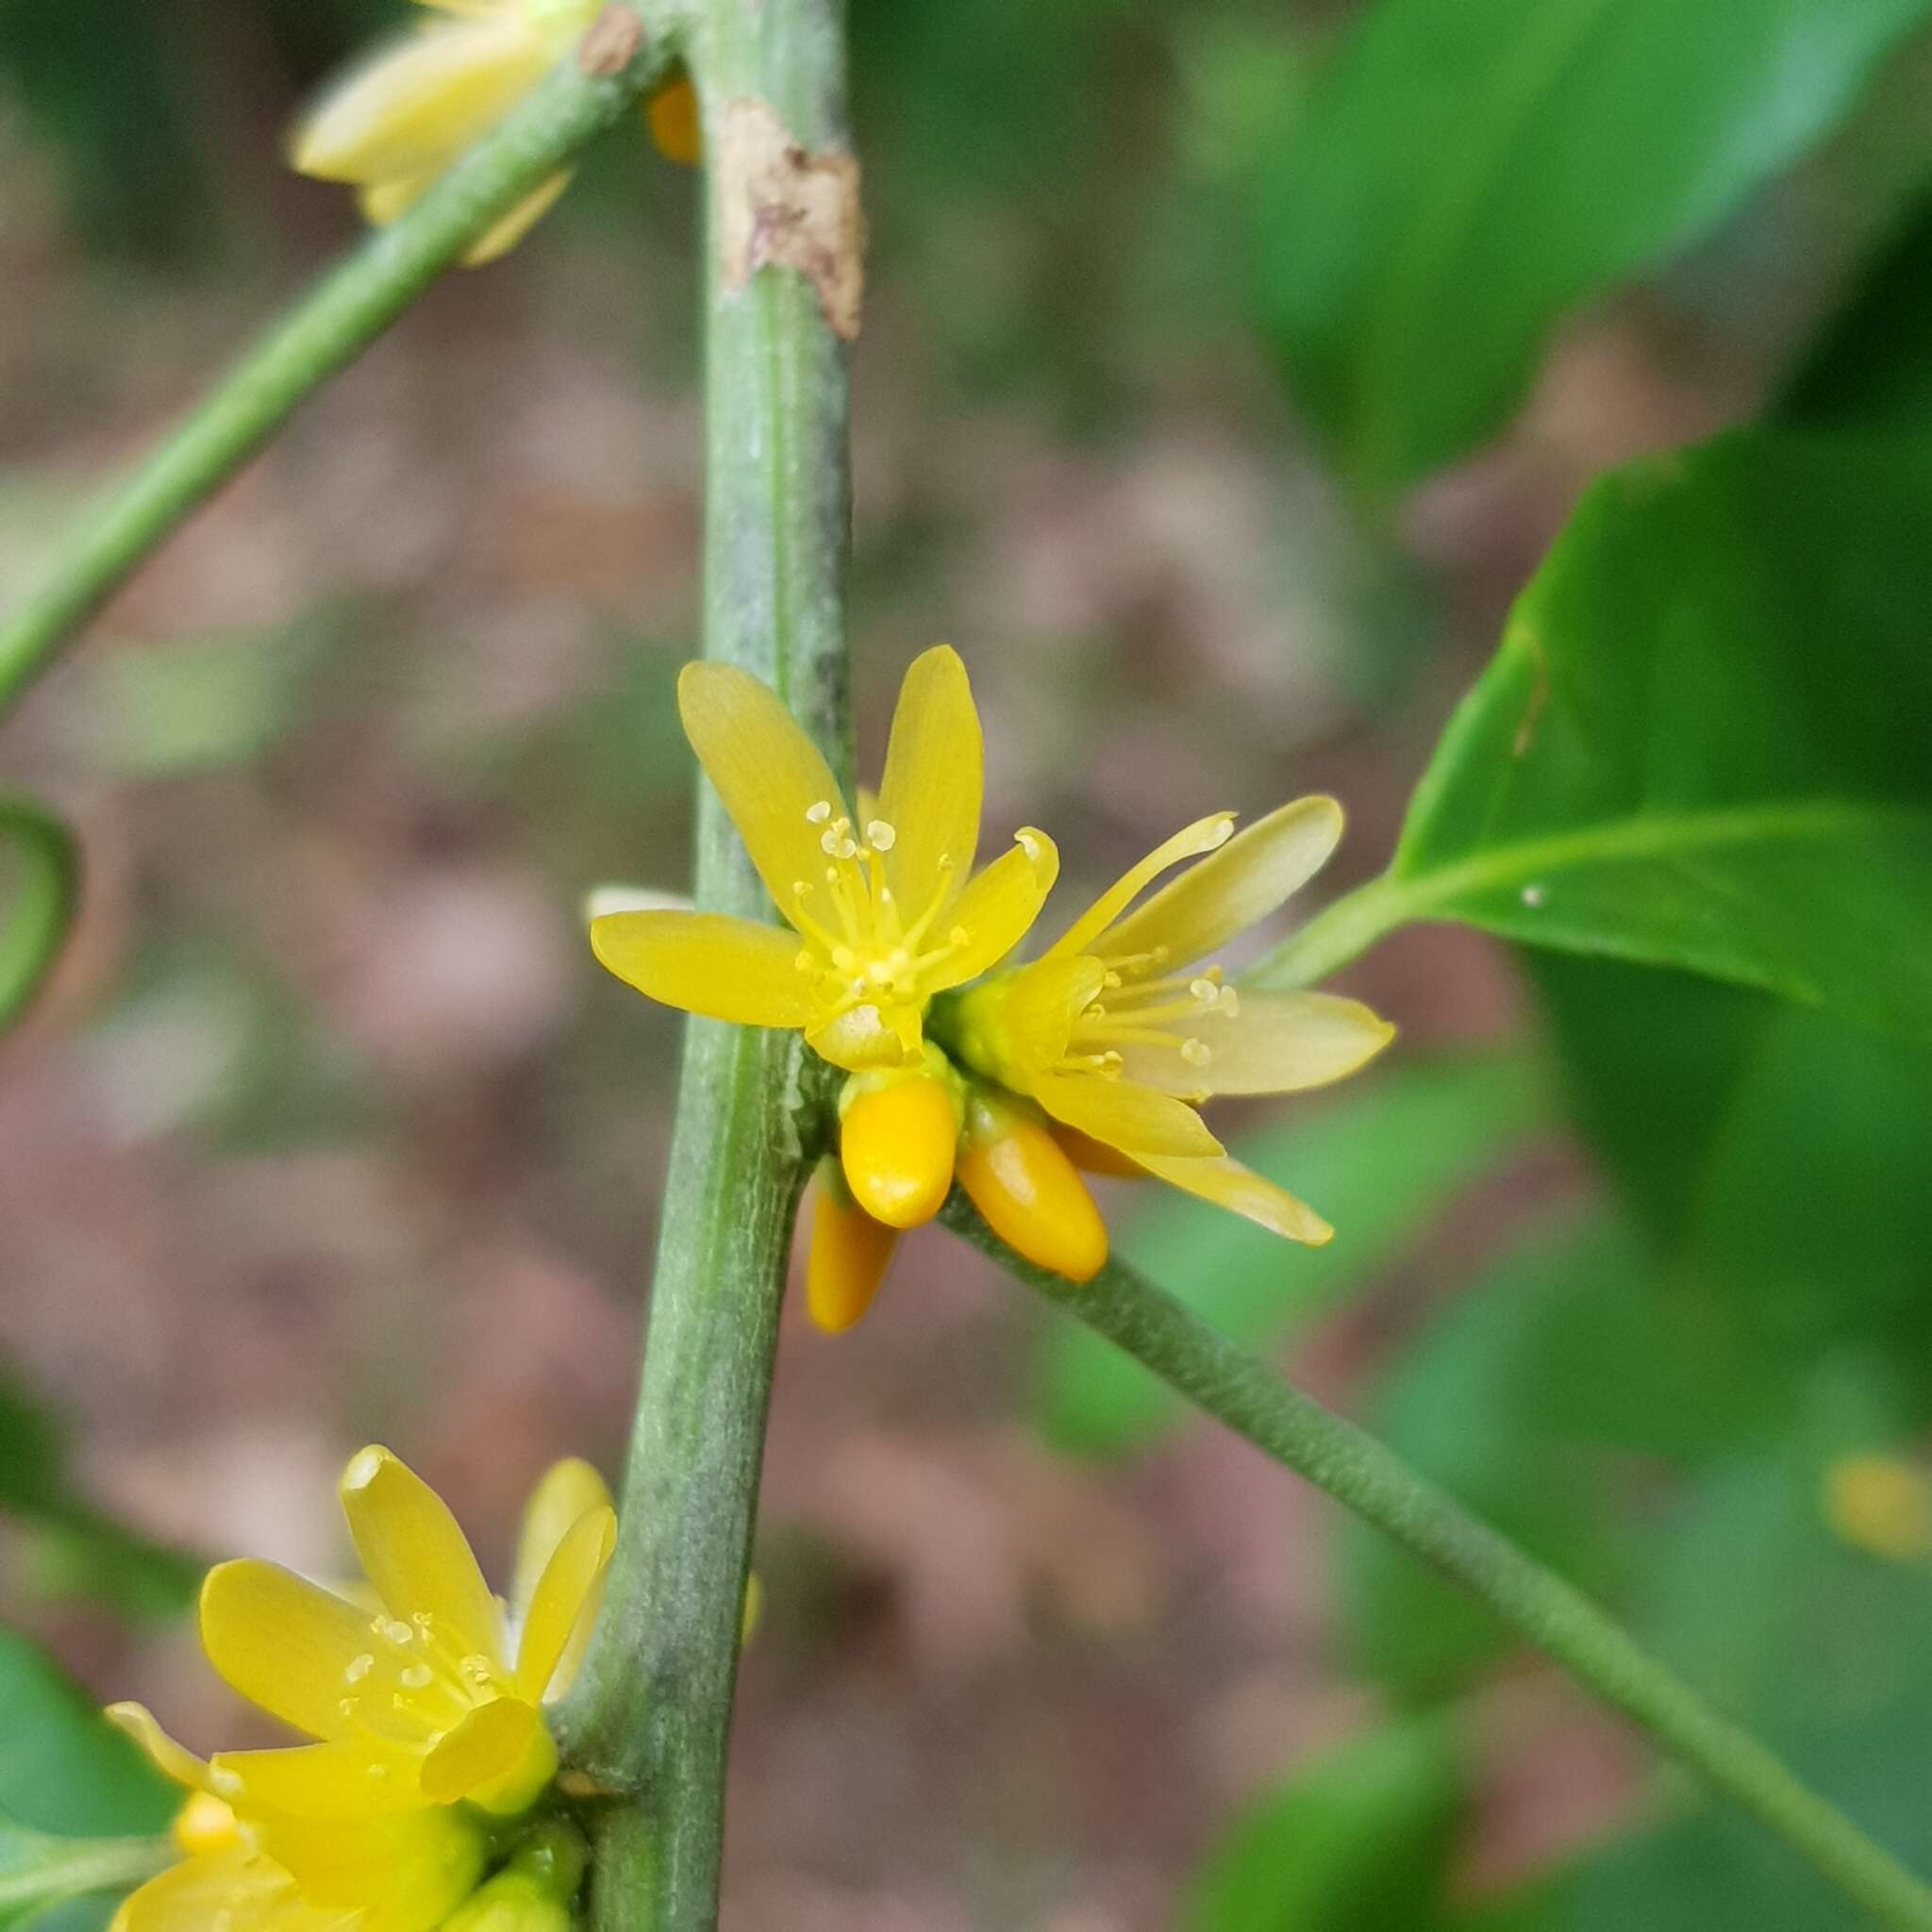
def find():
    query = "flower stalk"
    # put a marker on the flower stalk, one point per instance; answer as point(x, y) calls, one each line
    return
point(1248, 1396)
point(650, 1717)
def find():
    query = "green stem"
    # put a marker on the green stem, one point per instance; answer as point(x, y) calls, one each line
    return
point(650, 1716)
point(1362, 1473)
point(324, 331)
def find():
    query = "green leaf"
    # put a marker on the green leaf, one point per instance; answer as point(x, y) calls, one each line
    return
point(1380, 1164)
point(1358, 1842)
point(1774, 1155)
point(1703, 741)
point(1465, 173)
point(95, 1553)
point(64, 1769)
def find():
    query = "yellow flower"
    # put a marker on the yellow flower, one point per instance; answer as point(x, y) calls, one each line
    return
point(1125, 1025)
point(405, 1873)
point(883, 912)
point(426, 1696)
point(397, 122)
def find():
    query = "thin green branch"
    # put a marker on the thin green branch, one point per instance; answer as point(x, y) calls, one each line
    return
point(650, 1717)
point(1370, 1478)
point(326, 330)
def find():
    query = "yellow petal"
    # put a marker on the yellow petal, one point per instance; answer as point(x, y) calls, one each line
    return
point(232, 1886)
point(565, 1597)
point(864, 1039)
point(405, 1873)
point(895, 1144)
point(1124, 1114)
point(565, 1494)
point(383, 201)
point(340, 1780)
point(846, 1260)
point(995, 910)
point(1014, 1027)
point(930, 794)
point(1022, 1182)
point(1272, 1044)
point(1203, 835)
point(283, 1643)
point(500, 1757)
point(1234, 887)
point(768, 773)
point(1229, 1183)
point(172, 1759)
point(508, 229)
point(416, 1554)
point(417, 105)
point(708, 962)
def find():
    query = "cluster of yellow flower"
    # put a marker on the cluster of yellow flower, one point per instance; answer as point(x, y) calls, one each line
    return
point(422, 1802)
point(1098, 1053)
point(399, 122)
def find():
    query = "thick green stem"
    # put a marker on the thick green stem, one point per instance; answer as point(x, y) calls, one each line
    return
point(324, 331)
point(649, 1720)
point(1370, 1478)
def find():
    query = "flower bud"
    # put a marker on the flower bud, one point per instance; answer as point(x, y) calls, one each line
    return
point(896, 1136)
point(672, 115)
point(847, 1256)
point(1028, 1191)
point(533, 1893)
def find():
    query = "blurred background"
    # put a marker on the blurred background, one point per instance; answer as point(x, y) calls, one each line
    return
point(328, 1130)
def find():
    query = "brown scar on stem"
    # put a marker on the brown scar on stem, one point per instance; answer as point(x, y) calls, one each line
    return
point(781, 204)
point(611, 41)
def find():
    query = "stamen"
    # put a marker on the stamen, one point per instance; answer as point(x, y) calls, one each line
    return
point(880, 835)
point(817, 814)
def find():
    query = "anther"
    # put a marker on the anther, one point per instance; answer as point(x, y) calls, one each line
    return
point(1230, 1001)
point(1197, 1053)
point(817, 814)
point(357, 1668)
point(1028, 843)
point(880, 835)
point(418, 1677)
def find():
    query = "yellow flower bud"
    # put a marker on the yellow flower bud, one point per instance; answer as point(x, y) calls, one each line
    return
point(896, 1138)
point(672, 115)
point(847, 1257)
point(1028, 1191)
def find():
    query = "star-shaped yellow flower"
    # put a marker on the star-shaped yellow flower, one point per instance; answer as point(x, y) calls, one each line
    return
point(426, 1695)
point(883, 910)
point(1126, 1023)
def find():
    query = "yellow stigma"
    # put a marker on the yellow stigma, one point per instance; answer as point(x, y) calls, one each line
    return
point(1028, 1191)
